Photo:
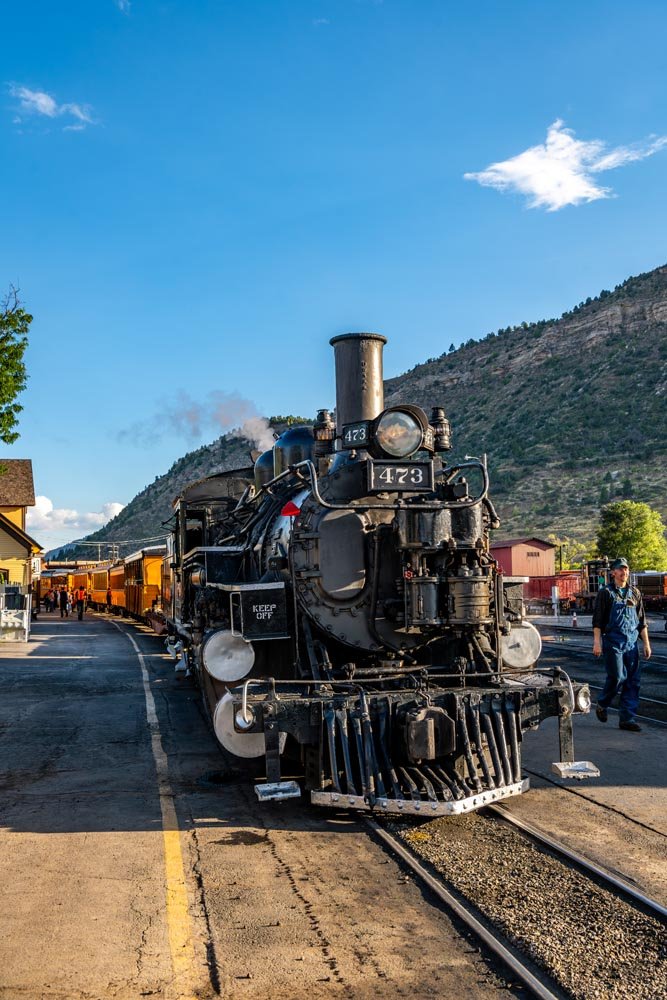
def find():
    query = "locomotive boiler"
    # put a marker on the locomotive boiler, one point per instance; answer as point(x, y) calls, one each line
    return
point(340, 609)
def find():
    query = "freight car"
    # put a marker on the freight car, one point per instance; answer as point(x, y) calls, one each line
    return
point(339, 607)
point(653, 585)
point(540, 589)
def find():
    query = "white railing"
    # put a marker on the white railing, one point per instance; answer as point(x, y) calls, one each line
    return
point(15, 611)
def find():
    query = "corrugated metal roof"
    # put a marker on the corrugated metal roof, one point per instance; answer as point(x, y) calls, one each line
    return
point(507, 542)
point(17, 488)
point(151, 550)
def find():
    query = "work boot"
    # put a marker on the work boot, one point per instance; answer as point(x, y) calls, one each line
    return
point(631, 727)
point(601, 713)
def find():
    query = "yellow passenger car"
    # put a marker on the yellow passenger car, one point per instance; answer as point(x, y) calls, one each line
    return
point(143, 579)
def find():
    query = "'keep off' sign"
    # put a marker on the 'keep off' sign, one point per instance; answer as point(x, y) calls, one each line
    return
point(264, 614)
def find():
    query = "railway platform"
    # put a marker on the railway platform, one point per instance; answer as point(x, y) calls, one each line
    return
point(135, 862)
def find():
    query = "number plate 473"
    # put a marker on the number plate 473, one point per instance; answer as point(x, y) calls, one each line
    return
point(391, 477)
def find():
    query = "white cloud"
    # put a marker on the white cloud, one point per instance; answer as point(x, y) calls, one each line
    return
point(44, 517)
point(561, 172)
point(38, 102)
point(123, 5)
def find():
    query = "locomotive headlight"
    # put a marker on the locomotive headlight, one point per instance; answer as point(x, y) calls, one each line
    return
point(399, 433)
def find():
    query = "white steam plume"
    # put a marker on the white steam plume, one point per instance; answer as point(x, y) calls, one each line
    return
point(220, 412)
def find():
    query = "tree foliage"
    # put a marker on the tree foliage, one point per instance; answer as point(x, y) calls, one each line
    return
point(572, 553)
point(14, 325)
point(633, 530)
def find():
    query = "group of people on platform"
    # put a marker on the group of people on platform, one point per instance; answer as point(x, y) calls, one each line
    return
point(66, 600)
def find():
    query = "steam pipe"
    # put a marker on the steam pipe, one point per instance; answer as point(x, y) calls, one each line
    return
point(359, 386)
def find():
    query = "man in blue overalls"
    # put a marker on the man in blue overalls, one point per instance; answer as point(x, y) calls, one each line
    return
point(618, 621)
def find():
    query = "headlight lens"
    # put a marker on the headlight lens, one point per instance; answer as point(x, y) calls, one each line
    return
point(398, 434)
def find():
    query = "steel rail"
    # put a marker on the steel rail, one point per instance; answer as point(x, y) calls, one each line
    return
point(647, 701)
point(619, 884)
point(581, 649)
point(492, 942)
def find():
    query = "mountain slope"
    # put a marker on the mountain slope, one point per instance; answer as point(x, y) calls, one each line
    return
point(571, 413)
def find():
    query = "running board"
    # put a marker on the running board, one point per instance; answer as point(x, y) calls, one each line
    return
point(425, 807)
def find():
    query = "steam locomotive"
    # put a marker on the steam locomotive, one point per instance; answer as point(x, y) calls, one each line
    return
point(341, 611)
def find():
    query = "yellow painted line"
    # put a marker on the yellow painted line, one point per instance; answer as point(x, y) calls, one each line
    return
point(179, 924)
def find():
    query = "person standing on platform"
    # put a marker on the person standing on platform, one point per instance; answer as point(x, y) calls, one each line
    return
point(109, 599)
point(63, 601)
point(618, 622)
point(80, 595)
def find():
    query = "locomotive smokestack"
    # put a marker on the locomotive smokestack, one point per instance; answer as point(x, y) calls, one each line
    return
point(359, 388)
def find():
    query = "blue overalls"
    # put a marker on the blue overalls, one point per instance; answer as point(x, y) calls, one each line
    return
point(619, 645)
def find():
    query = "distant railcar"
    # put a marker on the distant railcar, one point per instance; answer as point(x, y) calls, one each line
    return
point(82, 578)
point(653, 586)
point(99, 586)
point(539, 589)
point(117, 588)
point(53, 580)
point(143, 573)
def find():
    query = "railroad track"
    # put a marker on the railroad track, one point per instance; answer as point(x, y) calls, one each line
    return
point(614, 883)
point(536, 982)
point(584, 649)
point(611, 898)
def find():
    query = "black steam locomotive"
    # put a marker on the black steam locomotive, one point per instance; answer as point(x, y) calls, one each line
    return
point(342, 613)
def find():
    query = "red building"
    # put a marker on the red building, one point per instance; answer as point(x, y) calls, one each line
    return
point(525, 557)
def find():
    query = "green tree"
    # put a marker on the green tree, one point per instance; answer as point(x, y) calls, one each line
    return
point(572, 553)
point(14, 325)
point(633, 530)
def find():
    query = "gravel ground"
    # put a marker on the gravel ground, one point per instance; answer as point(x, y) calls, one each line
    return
point(593, 944)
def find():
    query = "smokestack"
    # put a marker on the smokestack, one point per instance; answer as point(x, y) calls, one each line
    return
point(359, 388)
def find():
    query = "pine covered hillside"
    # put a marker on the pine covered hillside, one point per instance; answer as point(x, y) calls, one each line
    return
point(570, 412)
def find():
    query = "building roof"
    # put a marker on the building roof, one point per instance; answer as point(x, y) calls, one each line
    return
point(507, 543)
point(17, 488)
point(18, 535)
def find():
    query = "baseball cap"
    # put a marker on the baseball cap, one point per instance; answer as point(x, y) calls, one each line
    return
point(620, 563)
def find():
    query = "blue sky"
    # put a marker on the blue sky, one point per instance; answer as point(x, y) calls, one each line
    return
point(197, 195)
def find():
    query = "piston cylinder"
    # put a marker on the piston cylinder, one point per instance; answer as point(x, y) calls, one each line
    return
point(469, 600)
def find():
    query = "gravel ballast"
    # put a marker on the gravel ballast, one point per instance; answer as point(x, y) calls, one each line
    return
point(592, 943)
